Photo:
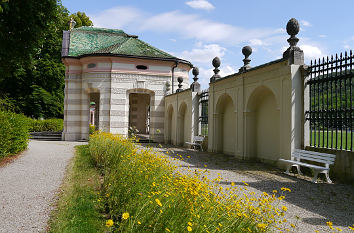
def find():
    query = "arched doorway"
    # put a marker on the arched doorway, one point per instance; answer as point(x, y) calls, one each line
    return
point(182, 127)
point(225, 125)
point(263, 125)
point(139, 112)
point(94, 118)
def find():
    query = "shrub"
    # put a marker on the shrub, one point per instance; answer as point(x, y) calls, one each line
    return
point(92, 129)
point(144, 192)
point(14, 134)
point(48, 125)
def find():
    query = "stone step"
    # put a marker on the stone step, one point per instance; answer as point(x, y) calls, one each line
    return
point(46, 136)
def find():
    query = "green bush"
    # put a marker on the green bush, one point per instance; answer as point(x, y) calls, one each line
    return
point(48, 125)
point(14, 134)
point(92, 129)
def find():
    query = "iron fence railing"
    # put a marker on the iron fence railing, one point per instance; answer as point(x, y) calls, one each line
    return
point(331, 112)
point(203, 119)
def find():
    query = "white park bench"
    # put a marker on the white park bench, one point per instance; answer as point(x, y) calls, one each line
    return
point(298, 156)
point(197, 142)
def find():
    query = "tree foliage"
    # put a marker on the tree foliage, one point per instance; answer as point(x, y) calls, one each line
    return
point(31, 71)
point(81, 19)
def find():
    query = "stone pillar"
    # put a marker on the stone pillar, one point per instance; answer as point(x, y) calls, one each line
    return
point(195, 88)
point(295, 58)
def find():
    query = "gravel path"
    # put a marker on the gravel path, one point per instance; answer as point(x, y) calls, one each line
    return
point(28, 186)
point(315, 204)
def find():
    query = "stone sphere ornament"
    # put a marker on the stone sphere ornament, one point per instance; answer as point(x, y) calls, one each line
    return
point(293, 27)
point(195, 71)
point(180, 79)
point(247, 51)
point(216, 62)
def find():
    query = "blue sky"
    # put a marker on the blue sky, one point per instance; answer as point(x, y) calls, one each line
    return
point(199, 30)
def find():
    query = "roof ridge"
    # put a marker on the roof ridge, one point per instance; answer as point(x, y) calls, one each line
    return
point(156, 49)
point(100, 30)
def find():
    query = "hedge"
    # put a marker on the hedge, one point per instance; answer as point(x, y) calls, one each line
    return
point(48, 125)
point(14, 133)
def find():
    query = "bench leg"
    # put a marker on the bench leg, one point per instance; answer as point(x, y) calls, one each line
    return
point(314, 180)
point(327, 178)
point(288, 169)
point(298, 169)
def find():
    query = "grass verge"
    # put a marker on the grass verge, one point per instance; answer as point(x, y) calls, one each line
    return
point(78, 208)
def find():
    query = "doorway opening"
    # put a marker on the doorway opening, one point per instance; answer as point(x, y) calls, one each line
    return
point(139, 113)
point(95, 110)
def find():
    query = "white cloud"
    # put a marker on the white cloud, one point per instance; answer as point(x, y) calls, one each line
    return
point(323, 36)
point(305, 23)
point(116, 17)
point(256, 42)
point(203, 53)
point(204, 76)
point(189, 26)
point(311, 52)
point(173, 40)
point(200, 4)
point(227, 70)
point(205, 73)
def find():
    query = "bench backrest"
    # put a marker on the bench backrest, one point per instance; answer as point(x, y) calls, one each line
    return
point(198, 139)
point(314, 156)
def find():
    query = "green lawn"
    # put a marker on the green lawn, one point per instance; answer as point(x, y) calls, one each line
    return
point(334, 141)
point(78, 207)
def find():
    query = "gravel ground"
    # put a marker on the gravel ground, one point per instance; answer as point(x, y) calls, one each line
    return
point(315, 204)
point(29, 184)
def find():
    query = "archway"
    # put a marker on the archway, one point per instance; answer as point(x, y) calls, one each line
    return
point(263, 125)
point(225, 125)
point(182, 127)
point(94, 118)
point(139, 112)
point(170, 125)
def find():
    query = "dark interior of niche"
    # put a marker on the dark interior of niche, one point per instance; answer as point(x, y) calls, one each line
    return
point(141, 67)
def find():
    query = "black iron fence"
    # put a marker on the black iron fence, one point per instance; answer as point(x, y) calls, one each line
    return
point(331, 112)
point(203, 119)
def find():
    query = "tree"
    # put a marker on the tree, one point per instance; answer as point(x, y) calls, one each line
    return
point(31, 71)
point(81, 19)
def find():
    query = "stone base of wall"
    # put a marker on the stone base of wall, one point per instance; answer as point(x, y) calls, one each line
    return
point(74, 137)
point(343, 169)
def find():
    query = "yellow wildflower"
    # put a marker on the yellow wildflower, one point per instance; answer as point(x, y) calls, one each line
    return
point(139, 222)
point(284, 208)
point(189, 228)
point(109, 223)
point(158, 202)
point(168, 230)
point(261, 225)
point(125, 215)
point(351, 228)
point(285, 189)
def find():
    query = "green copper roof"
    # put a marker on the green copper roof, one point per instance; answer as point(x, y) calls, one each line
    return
point(90, 40)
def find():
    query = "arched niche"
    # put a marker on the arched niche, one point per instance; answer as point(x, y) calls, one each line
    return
point(262, 125)
point(225, 122)
point(182, 126)
point(170, 124)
